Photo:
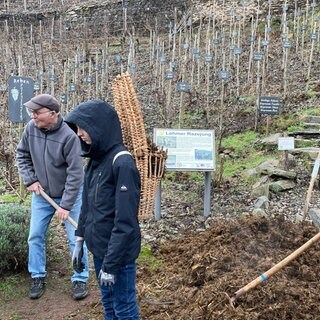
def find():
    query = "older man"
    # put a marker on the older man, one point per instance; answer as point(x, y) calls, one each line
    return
point(49, 158)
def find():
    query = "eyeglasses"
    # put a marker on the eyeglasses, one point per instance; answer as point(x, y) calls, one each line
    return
point(36, 112)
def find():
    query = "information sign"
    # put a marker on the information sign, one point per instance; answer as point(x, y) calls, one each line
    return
point(269, 105)
point(285, 143)
point(20, 90)
point(188, 149)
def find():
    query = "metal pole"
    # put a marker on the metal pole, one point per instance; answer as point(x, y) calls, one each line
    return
point(207, 192)
point(157, 204)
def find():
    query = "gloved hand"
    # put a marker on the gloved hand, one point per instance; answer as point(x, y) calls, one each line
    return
point(106, 279)
point(77, 255)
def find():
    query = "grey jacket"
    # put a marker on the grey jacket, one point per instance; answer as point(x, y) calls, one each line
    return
point(52, 157)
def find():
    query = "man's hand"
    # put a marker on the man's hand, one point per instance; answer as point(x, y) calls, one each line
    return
point(63, 214)
point(35, 187)
point(77, 255)
point(106, 279)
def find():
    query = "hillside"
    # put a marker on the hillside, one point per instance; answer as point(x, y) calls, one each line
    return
point(195, 64)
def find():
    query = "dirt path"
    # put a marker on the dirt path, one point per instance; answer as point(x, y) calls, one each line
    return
point(57, 302)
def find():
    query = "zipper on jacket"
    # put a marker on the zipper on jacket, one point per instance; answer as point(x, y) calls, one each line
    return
point(97, 186)
point(44, 162)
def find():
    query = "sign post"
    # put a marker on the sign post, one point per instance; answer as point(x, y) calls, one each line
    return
point(188, 150)
point(269, 106)
point(20, 90)
point(286, 143)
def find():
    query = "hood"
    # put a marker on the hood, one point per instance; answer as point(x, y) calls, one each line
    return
point(101, 122)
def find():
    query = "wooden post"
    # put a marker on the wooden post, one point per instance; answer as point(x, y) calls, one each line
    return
point(21, 126)
point(311, 54)
point(257, 88)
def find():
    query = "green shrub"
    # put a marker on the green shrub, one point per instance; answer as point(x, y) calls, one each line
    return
point(14, 229)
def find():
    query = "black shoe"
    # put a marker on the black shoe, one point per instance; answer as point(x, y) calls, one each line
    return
point(79, 290)
point(37, 287)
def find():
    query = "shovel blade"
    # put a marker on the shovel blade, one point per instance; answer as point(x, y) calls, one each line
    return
point(314, 215)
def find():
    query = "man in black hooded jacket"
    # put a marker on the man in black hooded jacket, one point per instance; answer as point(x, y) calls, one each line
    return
point(108, 221)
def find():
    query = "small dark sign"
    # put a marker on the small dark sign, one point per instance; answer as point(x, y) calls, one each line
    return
point(169, 75)
point(224, 75)
point(257, 56)
point(287, 44)
point(72, 87)
point(88, 79)
point(237, 51)
point(20, 90)
point(183, 87)
point(36, 86)
point(64, 98)
point(269, 105)
point(313, 36)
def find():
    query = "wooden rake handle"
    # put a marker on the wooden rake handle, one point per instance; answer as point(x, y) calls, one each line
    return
point(265, 276)
point(51, 201)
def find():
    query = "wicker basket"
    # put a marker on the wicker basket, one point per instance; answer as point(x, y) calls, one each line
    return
point(149, 159)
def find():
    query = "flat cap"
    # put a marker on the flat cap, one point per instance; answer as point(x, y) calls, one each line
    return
point(43, 101)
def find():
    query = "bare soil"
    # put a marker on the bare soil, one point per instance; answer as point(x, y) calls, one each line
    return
point(201, 270)
point(198, 271)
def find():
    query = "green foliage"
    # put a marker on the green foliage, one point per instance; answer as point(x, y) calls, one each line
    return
point(190, 118)
point(237, 166)
point(283, 123)
point(241, 143)
point(147, 258)
point(14, 223)
point(310, 112)
point(10, 287)
point(293, 128)
point(306, 144)
point(245, 153)
point(9, 198)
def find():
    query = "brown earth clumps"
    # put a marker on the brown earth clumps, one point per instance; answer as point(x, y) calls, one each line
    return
point(199, 271)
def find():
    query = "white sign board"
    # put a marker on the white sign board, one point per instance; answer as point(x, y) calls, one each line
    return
point(188, 149)
point(285, 143)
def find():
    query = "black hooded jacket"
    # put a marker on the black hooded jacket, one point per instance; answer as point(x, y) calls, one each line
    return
point(108, 220)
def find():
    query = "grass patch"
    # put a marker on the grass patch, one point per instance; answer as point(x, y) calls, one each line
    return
point(11, 287)
point(246, 154)
point(310, 112)
point(9, 198)
point(306, 144)
point(284, 123)
point(147, 259)
point(241, 143)
point(237, 166)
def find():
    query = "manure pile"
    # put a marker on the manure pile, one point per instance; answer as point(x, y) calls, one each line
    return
point(199, 270)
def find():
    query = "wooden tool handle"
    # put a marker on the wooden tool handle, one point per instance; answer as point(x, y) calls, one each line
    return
point(51, 201)
point(263, 277)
